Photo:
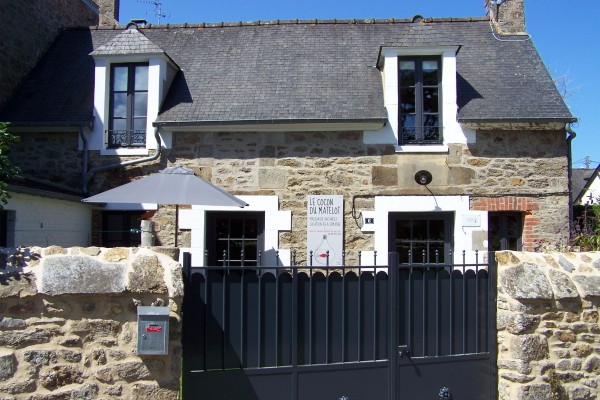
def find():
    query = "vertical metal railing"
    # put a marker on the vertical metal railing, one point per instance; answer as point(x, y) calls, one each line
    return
point(334, 301)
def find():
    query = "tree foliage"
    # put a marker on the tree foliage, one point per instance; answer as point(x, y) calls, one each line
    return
point(7, 171)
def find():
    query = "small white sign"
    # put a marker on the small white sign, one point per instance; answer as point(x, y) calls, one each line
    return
point(325, 229)
point(471, 220)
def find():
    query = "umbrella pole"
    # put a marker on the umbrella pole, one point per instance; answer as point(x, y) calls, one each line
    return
point(176, 221)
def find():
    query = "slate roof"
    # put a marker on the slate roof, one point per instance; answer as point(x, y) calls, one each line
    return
point(293, 70)
point(128, 42)
point(581, 179)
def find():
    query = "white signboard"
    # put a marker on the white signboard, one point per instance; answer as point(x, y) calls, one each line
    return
point(325, 229)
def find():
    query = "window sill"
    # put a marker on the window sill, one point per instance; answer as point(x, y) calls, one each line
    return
point(437, 148)
point(138, 151)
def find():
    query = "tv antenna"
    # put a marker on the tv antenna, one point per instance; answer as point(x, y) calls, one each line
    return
point(158, 10)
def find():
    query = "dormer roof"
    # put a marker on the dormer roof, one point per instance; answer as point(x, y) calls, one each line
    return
point(129, 42)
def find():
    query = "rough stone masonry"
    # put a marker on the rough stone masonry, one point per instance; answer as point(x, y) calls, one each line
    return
point(68, 323)
point(548, 331)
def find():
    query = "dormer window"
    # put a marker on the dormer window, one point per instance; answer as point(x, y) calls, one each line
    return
point(128, 106)
point(419, 80)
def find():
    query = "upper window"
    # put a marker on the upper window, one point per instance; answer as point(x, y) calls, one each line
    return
point(419, 81)
point(128, 105)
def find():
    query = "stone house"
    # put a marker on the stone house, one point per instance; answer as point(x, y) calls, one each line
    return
point(425, 136)
point(586, 186)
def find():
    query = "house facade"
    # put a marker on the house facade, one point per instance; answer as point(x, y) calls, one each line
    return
point(429, 137)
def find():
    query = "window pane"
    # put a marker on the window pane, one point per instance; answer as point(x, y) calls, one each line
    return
point(237, 228)
point(120, 105)
point(436, 230)
point(139, 124)
point(407, 73)
point(419, 229)
point(119, 124)
point(408, 127)
point(430, 100)
point(141, 77)
point(140, 105)
point(419, 253)
point(407, 100)
point(222, 228)
point(403, 230)
point(250, 228)
point(120, 79)
point(430, 72)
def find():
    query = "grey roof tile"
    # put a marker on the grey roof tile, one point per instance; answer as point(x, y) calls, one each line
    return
point(129, 41)
point(291, 70)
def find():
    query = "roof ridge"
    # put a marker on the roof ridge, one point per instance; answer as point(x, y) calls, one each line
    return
point(316, 21)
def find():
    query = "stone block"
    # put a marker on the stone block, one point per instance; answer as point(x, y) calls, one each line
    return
point(272, 178)
point(529, 347)
point(539, 391)
point(589, 285)
point(147, 275)
point(384, 176)
point(60, 375)
point(8, 364)
point(20, 339)
point(80, 274)
point(17, 284)
point(516, 323)
point(40, 357)
point(526, 282)
point(116, 254)
point(145, 391)
point(562, 286)
point(12, 323)
point(131, 371)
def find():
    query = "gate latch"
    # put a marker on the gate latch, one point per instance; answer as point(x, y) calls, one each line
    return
point(403, 351)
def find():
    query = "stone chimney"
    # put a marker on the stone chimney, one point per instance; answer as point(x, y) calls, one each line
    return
point(109, 13)
point(507, 16)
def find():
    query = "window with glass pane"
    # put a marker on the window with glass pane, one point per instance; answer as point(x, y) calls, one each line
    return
point(121, 228)
point(233, 238)
point(128, 105)
point(505, 230)
point(421, 238)
point(419, 80)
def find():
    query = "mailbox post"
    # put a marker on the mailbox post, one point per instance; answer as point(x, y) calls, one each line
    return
point(153, 330)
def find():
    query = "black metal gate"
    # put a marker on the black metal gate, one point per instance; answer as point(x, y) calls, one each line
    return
point(339, 333)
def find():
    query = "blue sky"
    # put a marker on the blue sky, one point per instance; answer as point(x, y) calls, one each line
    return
point(565, 33)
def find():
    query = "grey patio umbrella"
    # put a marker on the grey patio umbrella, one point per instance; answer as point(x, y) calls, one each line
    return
point(174, 185)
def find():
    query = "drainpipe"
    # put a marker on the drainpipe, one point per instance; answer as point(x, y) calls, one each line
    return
point(570, 137)
point(84, 160)
point(87, 176)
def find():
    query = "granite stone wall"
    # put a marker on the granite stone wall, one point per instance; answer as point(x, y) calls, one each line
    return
point(68, 323)
point(548, 330)
point(524, 171)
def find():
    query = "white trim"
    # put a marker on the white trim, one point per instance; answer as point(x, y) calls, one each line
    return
point(275, 222)
point(459, 205)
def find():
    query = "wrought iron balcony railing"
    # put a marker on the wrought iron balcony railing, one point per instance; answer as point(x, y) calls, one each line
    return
point(421, 135)
point(126, 138)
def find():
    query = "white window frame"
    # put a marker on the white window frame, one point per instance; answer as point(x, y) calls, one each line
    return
point(452, 131)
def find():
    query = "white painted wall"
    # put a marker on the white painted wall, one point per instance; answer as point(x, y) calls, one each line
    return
point(275, 222)
point(591, 195)
point(42, 221)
